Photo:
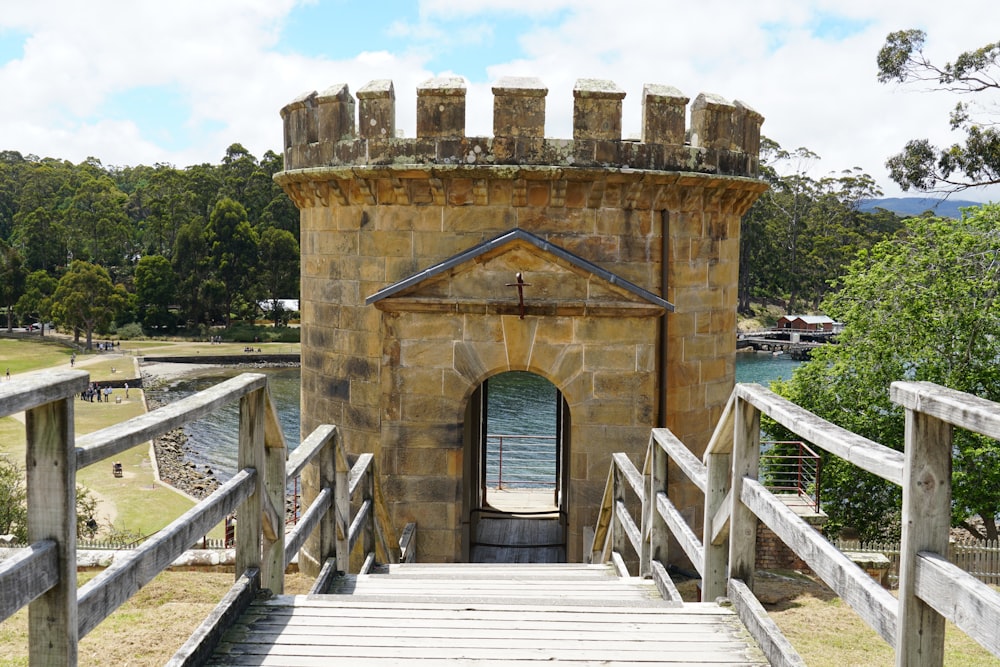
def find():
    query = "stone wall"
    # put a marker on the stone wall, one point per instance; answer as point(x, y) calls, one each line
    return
point(406, 305)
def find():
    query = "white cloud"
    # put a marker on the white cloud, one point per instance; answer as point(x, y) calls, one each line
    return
point(809, 67)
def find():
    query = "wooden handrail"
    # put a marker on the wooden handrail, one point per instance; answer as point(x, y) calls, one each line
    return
point(43, 575)
point(932, 590)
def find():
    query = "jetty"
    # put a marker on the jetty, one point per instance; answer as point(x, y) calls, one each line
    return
point(797, 344)
point(372, 605)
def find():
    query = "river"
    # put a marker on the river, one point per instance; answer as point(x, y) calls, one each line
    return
point(514, 401)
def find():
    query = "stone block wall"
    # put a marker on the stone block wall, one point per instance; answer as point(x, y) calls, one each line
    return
point(396, 375)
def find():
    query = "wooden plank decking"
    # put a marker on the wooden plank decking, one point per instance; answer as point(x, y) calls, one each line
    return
point(486, 614)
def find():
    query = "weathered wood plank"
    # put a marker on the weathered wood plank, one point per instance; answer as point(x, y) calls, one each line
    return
point(325, 578)
point(110, 441)
point(513, 651)
point(721, 522)
point(28, 574)
point(107, 591)
point(949, 405)
point(631, 475)
point(721, 442)
point(875, 605)
point(407, 543)
point(601, 548)
point(629, 525)
point(358, 524)
point(200, 645)
point(249, 538)
point(358, 471)
point(664, 583)
point(30, 390)
point(307, 523)
point(926, 521)
point(742, 522)
point(273, 501)
point(689, 464)
point(679, 528)
point(778, 650)
point(274, 437)
point(714, 566)
point(51, 496)
point(958, 596)
point(868, 455)
point(308, 449)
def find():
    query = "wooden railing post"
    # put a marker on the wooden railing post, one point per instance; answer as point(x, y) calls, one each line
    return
point(716, 566)
point(743, 522)
point(249, 524)
point(272, 573)
point(618, 536)
point(342, 512)
point(926, 520)
point(53, 630)
point(655, 548)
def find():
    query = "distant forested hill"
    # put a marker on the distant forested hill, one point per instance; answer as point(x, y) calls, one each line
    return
point(914, 206)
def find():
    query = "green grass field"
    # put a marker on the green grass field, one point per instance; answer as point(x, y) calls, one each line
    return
point(135, 502)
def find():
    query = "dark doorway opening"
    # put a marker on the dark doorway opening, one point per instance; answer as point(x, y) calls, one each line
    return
point(518, 510)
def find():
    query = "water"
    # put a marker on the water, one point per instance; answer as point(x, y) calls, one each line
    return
point(213, 441)
point(764, 368)
point(519, 404)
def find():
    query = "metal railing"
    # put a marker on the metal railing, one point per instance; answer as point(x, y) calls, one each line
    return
point(520, 461)
point(791, 467)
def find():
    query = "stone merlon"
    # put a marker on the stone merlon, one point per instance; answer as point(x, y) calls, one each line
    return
point(721, 137)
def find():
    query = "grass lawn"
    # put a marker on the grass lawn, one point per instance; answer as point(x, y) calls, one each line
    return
point(134, 502)
point(22, 356)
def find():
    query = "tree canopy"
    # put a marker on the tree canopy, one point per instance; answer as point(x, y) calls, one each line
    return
point(802, 232)
point(924, 305)
point(53, 212)
point(972, 163)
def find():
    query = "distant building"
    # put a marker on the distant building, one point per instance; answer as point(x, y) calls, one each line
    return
point(807, 323)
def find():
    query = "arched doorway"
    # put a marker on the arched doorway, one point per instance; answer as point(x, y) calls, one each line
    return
point(517, 426)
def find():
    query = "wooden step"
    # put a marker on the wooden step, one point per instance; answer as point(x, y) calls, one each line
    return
point(473, 615)
point(341, 630)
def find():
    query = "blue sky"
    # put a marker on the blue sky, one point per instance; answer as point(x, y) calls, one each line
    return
point(146, 82)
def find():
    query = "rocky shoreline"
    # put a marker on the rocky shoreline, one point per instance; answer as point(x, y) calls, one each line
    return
point(174, 468)
point(171, 449)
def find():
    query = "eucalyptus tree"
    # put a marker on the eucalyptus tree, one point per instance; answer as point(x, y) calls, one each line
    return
point(12, 280)
point(155, 290)
point(85, 299)
point(232, 245)
point(974, 74)
point(279, 267)
point(923, 305)
point(36, 300)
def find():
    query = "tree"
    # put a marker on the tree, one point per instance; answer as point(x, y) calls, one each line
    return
point(13, 500)
point(12, 278)
point(279, 267)
point(87, 299)
point(975, 162)
point(924, 305)
point(803, 231)
point(36, 301)
point(14, 503)
point(155, 290)
point(232, 245)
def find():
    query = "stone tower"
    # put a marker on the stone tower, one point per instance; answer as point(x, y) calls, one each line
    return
point(410, 252)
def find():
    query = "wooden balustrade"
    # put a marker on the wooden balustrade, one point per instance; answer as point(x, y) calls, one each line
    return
point(43, 576)
point(931, 591)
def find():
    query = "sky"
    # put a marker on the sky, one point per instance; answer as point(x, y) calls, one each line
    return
point(144, 82)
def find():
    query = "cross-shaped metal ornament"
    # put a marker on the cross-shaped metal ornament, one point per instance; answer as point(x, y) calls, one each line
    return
point(520, 285)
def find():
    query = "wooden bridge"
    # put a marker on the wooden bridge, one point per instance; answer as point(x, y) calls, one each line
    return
point(495, 614)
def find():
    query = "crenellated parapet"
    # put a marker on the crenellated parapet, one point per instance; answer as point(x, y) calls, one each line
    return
point(721, 138)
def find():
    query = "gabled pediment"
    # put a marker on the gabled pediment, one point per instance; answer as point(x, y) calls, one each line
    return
point(484, 279)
